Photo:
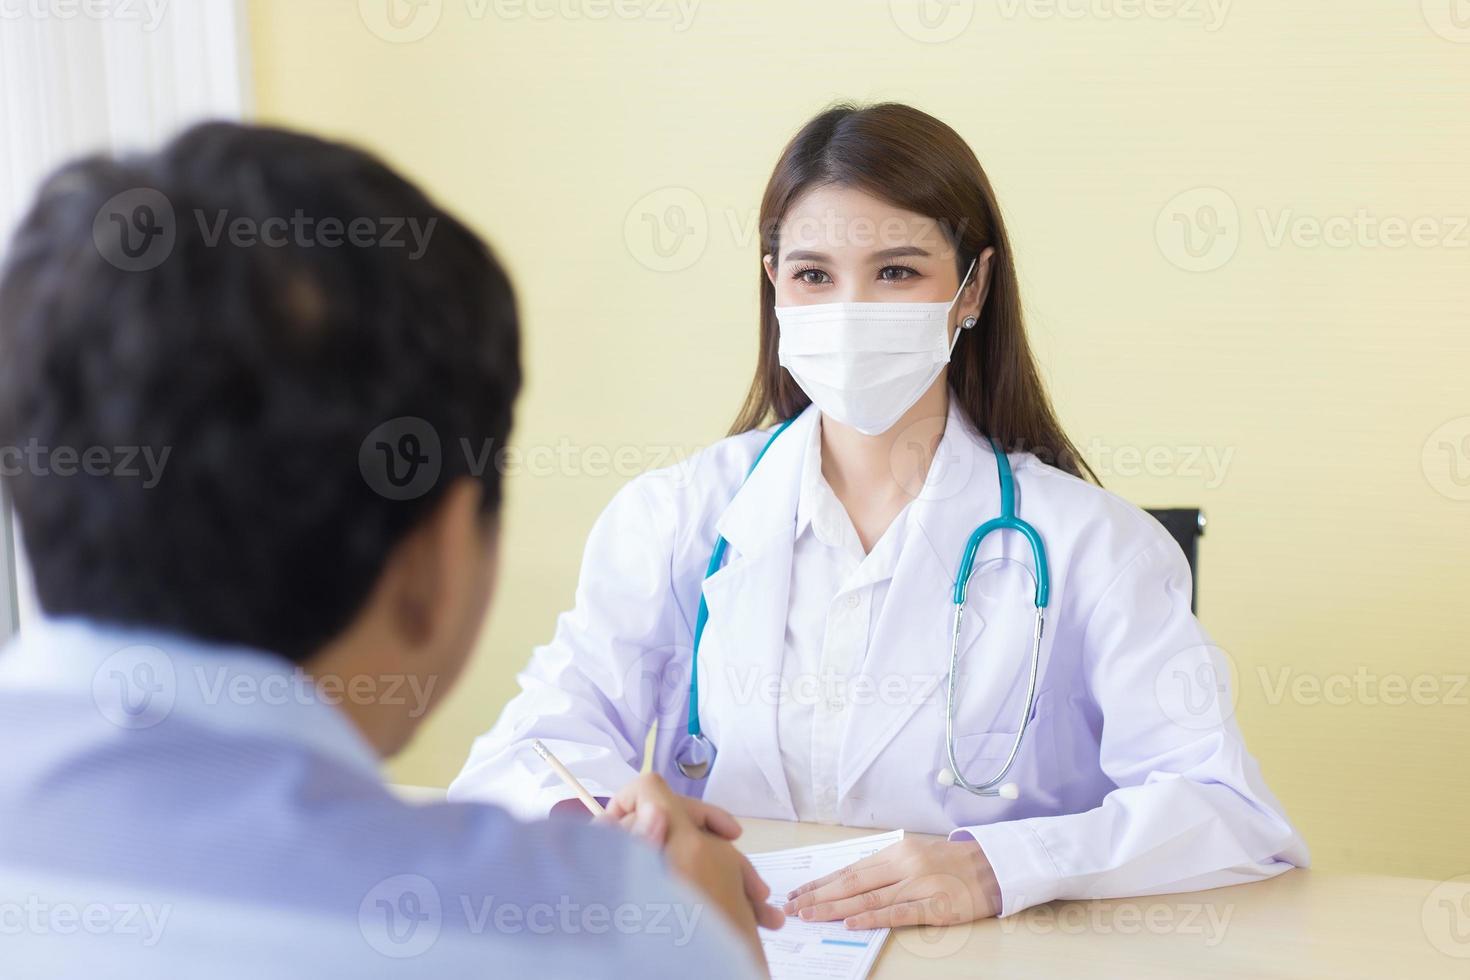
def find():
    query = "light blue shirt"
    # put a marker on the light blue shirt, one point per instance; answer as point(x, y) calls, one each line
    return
point(174, 808)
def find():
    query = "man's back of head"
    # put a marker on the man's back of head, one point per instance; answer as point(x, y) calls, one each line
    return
point(248, 306)
point(250, 391)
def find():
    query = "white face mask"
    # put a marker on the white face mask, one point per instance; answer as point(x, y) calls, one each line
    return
point(865, 364)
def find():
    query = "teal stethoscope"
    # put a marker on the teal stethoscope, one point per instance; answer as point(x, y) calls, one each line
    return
point(695, 756)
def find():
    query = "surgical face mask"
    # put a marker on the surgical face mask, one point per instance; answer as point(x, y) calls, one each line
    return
point(865, 364)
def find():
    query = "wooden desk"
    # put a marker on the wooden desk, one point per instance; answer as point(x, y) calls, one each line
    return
point(1301, 924)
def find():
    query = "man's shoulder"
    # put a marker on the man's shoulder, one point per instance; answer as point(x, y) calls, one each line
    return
point(211, 841)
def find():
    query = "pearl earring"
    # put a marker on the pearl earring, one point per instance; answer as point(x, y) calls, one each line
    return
point(969, 322)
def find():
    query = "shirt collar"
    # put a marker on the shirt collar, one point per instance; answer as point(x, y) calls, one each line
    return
point(819, 512)
point(817, 506)
point(812, 481)
point(140, 678)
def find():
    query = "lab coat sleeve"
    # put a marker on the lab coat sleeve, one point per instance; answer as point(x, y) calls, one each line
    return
point(1191, 810)
point(591, 694)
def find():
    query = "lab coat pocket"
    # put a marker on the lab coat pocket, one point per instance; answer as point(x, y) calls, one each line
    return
point(980, 756)
point(996, 646)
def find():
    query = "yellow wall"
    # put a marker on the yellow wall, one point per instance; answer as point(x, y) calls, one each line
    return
point(1319, 375)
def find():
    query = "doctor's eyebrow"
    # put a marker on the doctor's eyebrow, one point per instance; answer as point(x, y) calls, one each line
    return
point(898, 252)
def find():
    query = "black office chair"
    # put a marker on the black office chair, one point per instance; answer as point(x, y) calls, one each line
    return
point(1186, 525)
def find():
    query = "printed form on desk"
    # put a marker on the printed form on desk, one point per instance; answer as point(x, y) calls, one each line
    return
point(829, 950)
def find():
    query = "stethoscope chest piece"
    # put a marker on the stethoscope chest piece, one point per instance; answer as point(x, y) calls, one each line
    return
point(695, 757)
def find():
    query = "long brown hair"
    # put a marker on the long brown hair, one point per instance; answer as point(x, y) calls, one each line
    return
point(912, 160)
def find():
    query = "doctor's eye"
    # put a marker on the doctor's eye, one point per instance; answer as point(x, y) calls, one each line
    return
point(897, 273)
point(811, 275)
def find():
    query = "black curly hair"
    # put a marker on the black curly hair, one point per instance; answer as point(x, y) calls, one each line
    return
point(243, 308)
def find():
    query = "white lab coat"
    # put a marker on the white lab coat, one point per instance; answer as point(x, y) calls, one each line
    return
point(1133, 778)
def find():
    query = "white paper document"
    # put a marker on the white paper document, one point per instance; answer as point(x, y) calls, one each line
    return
point(828, 950)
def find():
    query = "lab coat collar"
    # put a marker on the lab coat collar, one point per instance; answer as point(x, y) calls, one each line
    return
point(811, 478)
point(770, 499)
point(765, 505)
point(747, 600)
point(960, 492)
point(140, 679)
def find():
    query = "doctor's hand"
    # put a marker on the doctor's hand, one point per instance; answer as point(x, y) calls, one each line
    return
point(695, 838)
point(913, 882)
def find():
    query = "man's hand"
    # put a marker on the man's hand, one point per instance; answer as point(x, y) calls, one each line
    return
point(639, 811)
point(913, 882)
point(694, 837)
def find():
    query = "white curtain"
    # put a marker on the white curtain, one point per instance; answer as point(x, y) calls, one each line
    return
point(105, 75)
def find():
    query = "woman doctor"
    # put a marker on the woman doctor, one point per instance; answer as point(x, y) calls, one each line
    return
point(891, 337)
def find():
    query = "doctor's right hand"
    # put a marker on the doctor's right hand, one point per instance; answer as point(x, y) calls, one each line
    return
point(694, 837)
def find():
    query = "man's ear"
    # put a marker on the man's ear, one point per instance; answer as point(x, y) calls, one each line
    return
point(769, 261)
point(972, 297)
point(436, 569)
